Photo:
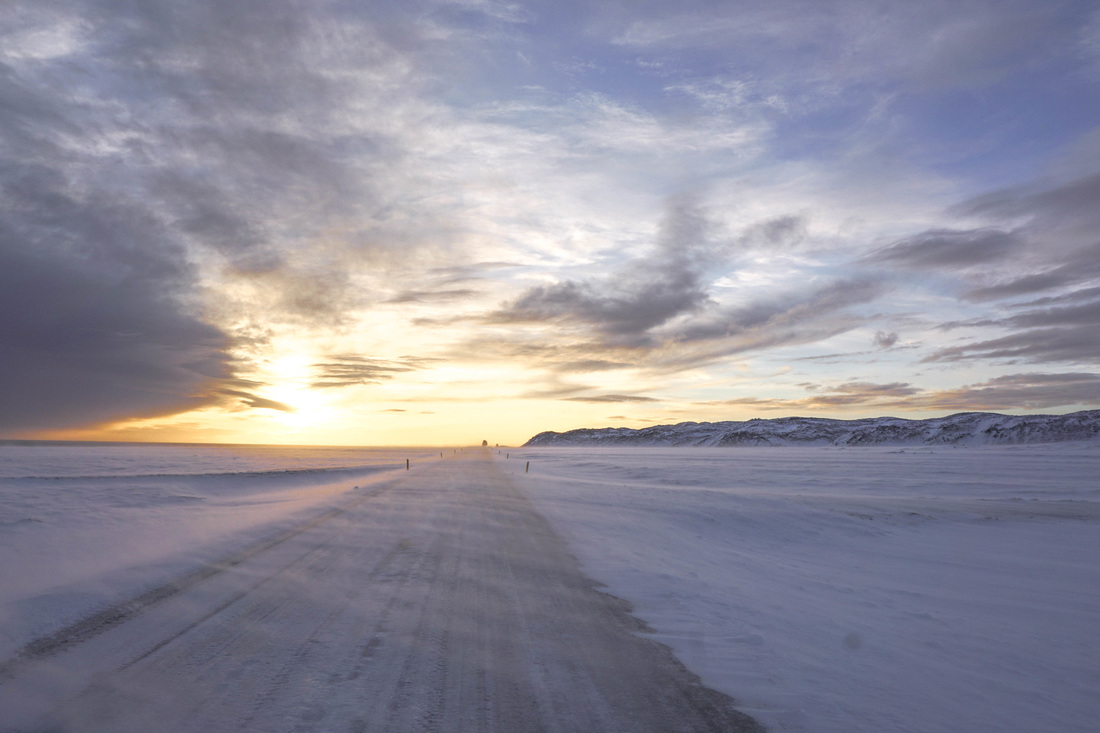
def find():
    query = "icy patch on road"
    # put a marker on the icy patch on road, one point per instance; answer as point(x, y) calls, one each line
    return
point(867, 590)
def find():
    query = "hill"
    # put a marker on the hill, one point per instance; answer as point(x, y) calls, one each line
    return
point(965, 428)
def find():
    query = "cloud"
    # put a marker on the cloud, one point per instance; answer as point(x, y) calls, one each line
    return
point(1047, 249)
point(144, 150)
point(432, 296)
point(1057, 221)
point(848, 394)
point(864, 389)
point(556, 354)
point(1052, 329)
point(792, 317)
point(611, 398)
point(884, 340)
point(1036, 391)
point(348, 370)
point(92, 294)
point(1074, 345)
point(781, 232)
point(182, 185)
point(856, 43)
point(648, 293)
point(1077, 267)
point(1088, 43)
point(1071, 202)
point(657, 311)
point(947, 249)
point(625, 315)
point(1084, 295)
point(1033, 391)
point(251, 400)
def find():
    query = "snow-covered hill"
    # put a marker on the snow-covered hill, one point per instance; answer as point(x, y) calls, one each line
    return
point(965, 428)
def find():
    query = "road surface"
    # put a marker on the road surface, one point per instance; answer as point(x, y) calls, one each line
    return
point(439, 600)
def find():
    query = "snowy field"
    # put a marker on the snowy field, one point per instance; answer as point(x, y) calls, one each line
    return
point(859, 590)
point(83, 526)
point(828, 590)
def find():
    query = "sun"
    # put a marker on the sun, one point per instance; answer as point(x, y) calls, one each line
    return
point(290, 382)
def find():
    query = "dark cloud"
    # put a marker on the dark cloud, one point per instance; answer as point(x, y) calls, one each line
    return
point(588, 365)
point(612, 398)
point(91, 295)
point(431, 296)
point(1059, 222)
point(1048, 247)
point(346, 370)
point(782, 232)
point(793, 317)
point(1083, 295)
point(556, 391)
point(1019, 391)
point(1077, 267)
point(950, 249)
point(849, 394)
point(1063, 331)
point(251, 400)
point(893, 389)
point(1080, 314)
point(1074, 345)
point(623, 316)
point(648, 293)
point(884, 340)
point(1009, 392)
point(659, 309)
point(559, 357)
point(161, 136)
point(454, 274)
point(1071, 203)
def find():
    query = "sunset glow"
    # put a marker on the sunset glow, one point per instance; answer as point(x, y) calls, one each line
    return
point(446, 221)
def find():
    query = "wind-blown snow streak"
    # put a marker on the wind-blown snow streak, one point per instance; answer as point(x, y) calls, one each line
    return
point(964, 428)
point(86, 526)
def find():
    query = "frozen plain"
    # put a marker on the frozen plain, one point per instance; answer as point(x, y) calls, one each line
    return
point(862, 589)
point(869, 589)
point(435, 599)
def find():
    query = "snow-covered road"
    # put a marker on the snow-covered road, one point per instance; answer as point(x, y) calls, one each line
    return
point(437, 599)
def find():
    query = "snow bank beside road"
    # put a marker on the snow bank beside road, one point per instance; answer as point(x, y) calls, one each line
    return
point(864, 590)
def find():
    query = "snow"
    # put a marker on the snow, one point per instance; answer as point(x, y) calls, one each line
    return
point(854, 590)
point(964, 428)
point(83, 526)
point(827, 589)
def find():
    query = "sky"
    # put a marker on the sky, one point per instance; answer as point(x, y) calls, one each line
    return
point(443, 221)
